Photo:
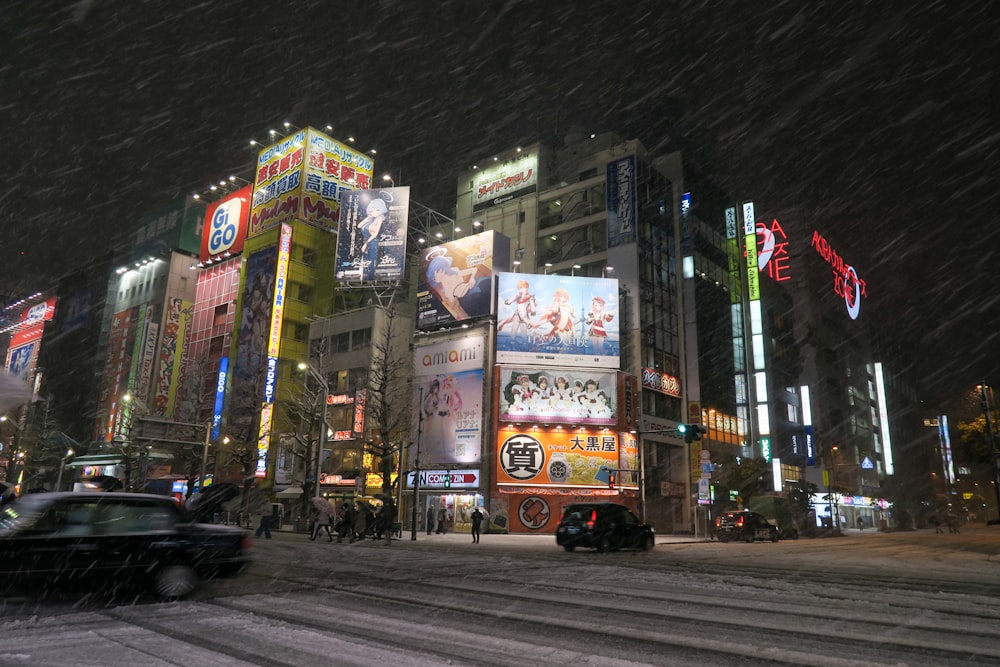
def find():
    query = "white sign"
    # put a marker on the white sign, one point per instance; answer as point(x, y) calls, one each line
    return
point(458, 479)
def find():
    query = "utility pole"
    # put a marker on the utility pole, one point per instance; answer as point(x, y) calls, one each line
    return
point(994, 454)
point(416, 465)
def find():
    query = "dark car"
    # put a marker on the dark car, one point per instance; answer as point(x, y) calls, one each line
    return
point(602, 526)
point(745, 526)
point(51, 540)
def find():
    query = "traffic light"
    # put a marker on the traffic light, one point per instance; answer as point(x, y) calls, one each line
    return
point(691, 432)
point(611, 479)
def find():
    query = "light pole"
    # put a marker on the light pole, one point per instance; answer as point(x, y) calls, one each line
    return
point(204, 457)
point(416, 465)
point(62, 466)
point(994, 454)
point(321, 443)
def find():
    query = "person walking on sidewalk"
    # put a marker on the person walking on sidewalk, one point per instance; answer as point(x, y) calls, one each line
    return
point(477, 523)
point(265, 519)
point(430, 520)
point(322, 522)
point(441, 519)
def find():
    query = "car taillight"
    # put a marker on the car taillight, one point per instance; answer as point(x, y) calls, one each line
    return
point(593, 518)
point(739, 522)
point(718, 521)
point(246, 543)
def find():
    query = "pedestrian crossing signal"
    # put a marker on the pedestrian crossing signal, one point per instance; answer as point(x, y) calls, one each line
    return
point(611, 479)
point(447, 480)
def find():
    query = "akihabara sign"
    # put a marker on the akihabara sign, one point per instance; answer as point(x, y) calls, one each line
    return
point(846, 282)
point(225, 225)
point(505, 181)
point(301, 177)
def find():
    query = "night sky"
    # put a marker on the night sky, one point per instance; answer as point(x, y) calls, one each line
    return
point(874, 116)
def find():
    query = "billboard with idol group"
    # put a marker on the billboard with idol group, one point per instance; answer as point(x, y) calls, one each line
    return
point(371, 241)
point(301, 177)
point(455, 280)
point(554, 320)
point(558, 396)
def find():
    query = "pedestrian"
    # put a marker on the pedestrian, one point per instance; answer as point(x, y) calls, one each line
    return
point(430, 520)
point(265, 519)
point(477, 522)
point(345, 526)
point(321, 523)
point(861, 523)
point(442, 518)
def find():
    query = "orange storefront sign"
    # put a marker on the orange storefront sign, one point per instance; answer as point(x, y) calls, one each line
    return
point(558, 457)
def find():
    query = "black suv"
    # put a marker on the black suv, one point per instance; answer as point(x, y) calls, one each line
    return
point(602, 526)
point(746, 526)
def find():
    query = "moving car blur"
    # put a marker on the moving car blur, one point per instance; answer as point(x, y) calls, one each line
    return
point(49, 541)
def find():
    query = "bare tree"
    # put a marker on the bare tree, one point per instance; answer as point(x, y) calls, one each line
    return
point(389, 399)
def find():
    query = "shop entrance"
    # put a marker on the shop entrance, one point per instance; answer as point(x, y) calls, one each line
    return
point(451, 513)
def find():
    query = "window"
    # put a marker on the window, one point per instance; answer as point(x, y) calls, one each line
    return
point(219, 316)
point(341, 343)
point(361, 338)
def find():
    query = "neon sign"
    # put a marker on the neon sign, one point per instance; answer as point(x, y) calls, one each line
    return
point(772, 251)
point(846, 282)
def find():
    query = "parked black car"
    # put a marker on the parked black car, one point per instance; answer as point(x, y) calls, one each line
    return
point(745, 526)
point(52, 540)
point(602, 526)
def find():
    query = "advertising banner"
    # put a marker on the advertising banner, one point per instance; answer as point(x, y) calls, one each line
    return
point(331, 169)
point(455, 280)
point(371, 241)
point(301, 177)
point(554, 320)
point(539, 513)
point(252, 337)
point(225, 225)
point(555, 457)
point(505, 181)
point(621, 192)
point(558, 396)
point(22, 360)
point(176, 320)
point(117, 361)
point(448, 412)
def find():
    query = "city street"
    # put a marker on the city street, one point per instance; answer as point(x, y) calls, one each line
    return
point(915, 598)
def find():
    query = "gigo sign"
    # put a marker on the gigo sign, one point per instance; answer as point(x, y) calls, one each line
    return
point(225, 225)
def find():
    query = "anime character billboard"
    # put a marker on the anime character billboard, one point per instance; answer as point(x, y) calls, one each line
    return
point(455, 281)
point(554, 320)
point(448, 407)
point(558, 396)
point(371, 242)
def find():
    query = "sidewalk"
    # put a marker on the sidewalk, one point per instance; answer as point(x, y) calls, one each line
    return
point(533, 540)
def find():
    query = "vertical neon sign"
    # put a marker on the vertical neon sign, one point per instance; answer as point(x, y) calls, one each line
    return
point(273, 346)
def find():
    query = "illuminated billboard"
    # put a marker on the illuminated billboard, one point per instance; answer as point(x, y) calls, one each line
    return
point(556, 457)
point(502, 182)
point(225, 225)
point(455, 280)
point(371, 241)
point(553, 320)
point(558, 396)
point(301, 177)
point(448, 401)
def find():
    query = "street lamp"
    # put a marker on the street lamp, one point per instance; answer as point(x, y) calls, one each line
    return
point(62, 466)
point(322, 425)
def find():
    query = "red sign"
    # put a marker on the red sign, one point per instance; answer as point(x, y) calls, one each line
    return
point(661, 382)
point(772, 251)
point(225, 226)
